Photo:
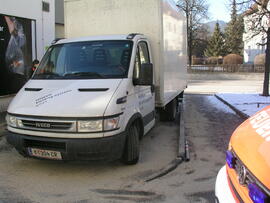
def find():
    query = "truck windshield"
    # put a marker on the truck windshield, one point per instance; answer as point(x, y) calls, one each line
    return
point(86, 60)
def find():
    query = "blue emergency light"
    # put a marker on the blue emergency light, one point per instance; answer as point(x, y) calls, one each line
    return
point(256, 194)
point(230, 159)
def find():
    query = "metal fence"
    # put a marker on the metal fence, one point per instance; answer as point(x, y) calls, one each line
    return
point(227, 68)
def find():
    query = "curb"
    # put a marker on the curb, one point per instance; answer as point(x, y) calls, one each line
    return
point(182, 142)
point(181, 151)
point(237, 111)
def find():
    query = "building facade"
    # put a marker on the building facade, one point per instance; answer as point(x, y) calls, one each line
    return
point(59, 19)
point(27, 28)
point(255, 38)
point(253, 45)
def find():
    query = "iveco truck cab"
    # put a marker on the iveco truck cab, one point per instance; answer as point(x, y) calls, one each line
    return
point(95, 94)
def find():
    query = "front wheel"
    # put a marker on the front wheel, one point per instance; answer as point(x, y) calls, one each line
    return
point(132, 148)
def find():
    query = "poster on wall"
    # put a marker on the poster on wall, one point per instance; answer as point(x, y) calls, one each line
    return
point(15, 53)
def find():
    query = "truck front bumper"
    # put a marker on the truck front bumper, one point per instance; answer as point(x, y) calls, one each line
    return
point(106, 148)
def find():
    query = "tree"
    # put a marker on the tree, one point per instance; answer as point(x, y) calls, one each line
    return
point(234, 32)
point(256, 19)
point(200, 41)
point(216, 43)
point(195, 11)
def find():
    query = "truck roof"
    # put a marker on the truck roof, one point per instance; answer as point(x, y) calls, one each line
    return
point(93, 38)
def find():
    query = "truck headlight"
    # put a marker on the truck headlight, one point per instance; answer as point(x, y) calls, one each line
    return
point(20, 123)
point(11, 120)
point(98, 125)
point(111, 123)
point(90, 126)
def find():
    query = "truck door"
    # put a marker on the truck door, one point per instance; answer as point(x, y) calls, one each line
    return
point(145, 94)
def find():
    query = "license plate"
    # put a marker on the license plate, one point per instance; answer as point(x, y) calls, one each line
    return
point(47, 154)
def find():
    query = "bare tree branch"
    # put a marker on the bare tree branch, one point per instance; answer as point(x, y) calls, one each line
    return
point(257, 23)
point(196, 11)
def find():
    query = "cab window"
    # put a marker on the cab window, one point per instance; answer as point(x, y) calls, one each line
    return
point(142, 57)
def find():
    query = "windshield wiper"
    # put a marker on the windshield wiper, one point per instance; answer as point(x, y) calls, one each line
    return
point(84, 74)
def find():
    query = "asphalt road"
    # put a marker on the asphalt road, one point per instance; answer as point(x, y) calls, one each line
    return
point(211, 83)
point(208, 129)
point(29, 180)
point(208, 126)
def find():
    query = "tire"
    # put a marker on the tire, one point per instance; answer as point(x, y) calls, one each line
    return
point(132, 148)
point(169, 113)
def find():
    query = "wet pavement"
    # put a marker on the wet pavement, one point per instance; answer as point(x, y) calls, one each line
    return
point(208, 126)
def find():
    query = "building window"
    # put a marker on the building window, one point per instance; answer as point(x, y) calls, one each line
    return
point(45, 6)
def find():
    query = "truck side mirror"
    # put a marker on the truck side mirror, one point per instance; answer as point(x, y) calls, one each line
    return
point(145, 75)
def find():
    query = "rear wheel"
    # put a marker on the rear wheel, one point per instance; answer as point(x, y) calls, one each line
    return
point(169, 112)
point(132, 147)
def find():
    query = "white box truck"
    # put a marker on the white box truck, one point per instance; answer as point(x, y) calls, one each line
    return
point(95, 94)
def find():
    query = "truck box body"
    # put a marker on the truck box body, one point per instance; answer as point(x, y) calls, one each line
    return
point(159, 20)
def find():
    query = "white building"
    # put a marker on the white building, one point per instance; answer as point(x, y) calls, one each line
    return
point(252, 47)
point(27, 28)
point(42, 16)
point(59, 19)
point(253, 41)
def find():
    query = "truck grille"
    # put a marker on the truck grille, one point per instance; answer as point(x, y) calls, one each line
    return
point(49, 125)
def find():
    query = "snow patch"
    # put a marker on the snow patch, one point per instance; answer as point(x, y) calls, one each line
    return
point(219, 105)
point(246, 103)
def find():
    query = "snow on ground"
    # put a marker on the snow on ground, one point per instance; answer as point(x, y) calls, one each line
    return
point(249, 104)
point(219, 105)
